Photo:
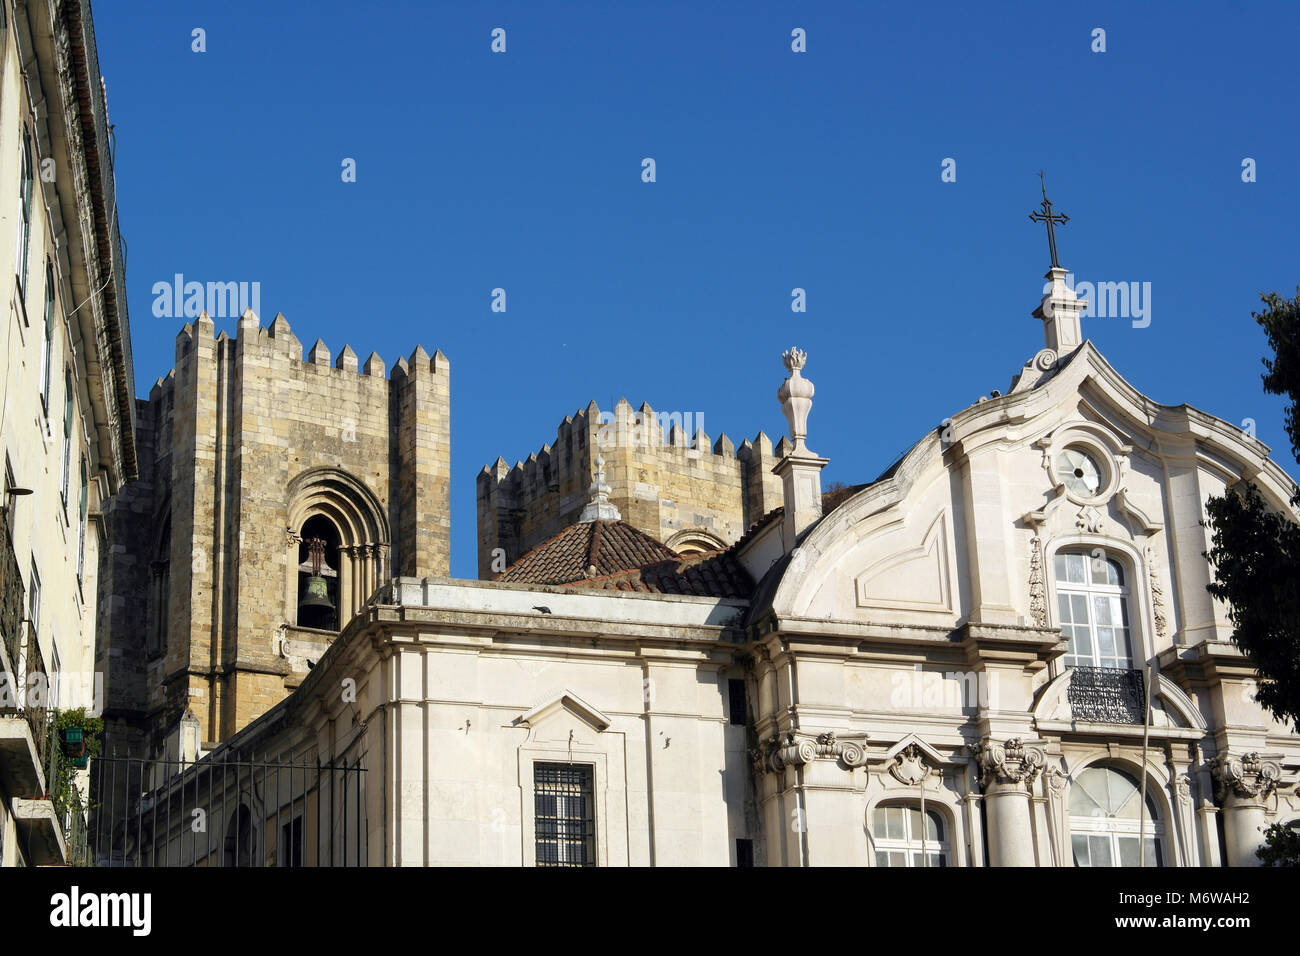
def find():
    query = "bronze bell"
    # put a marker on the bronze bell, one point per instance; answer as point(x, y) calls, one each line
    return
point(317, 594)
point(317, 591)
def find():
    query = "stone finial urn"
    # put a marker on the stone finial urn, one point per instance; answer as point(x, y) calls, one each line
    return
point(796, 395)
point(599, 507)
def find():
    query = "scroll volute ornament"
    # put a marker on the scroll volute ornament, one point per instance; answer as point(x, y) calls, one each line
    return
point(1252, 776)
point(1011, 763)
point(788, 750)
point(795, 395)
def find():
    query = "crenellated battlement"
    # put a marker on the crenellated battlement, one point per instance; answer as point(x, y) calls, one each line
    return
point(643, 427)
point(668, 477)
point(254, 341)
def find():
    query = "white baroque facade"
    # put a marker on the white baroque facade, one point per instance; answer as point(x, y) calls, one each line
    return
point(951, 666)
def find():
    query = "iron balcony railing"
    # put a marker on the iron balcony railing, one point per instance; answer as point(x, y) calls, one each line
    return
point(1110, 695)
point(13, 597)
point(37, 694)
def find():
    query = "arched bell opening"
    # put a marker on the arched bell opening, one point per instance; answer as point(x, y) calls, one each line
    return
point(318, 574)
point(350, 519)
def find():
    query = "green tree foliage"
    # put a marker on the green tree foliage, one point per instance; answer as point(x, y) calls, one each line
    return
point(1255, 550)
point(1281, 322)
point(1281, 846)
point(64, 792)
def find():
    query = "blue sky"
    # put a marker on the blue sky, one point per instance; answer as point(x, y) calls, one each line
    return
point(775, 170)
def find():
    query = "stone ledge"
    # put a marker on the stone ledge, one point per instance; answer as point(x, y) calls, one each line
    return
point(20, 766)
point(39, 832)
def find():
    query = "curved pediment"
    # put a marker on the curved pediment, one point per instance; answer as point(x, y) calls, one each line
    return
point(1083, 381)
point(916, 578)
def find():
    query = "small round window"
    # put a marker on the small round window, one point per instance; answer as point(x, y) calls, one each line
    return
point(1080, 472)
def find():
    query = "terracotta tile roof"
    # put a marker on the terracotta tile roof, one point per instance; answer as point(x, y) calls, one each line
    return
point(627, 559)
point(710, 574)
point(610, 546)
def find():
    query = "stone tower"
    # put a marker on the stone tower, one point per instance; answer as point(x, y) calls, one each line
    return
point(679, 489)
point(249, 454)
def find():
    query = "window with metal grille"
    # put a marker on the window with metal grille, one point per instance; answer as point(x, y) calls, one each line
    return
point(564, 816)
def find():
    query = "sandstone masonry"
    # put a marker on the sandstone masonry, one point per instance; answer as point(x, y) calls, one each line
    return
point(689, 494)
point(241, 445)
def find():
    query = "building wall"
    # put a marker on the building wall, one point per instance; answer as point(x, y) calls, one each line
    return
point(465, 718)
point(449, 707)
point(923, 613)
point(677, 488)
point(64, 433)
point(245, 441)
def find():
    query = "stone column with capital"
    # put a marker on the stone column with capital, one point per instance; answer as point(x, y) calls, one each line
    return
point(1243, 785)
point(1007, 772)
point(800, 470)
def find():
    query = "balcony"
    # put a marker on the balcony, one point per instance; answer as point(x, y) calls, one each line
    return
point(1108, 695)
point(39, 832)
point(22, 737)
point(12, 598)
point(25, 748)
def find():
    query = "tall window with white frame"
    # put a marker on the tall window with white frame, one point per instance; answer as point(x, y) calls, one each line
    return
point(56, 672)
point(1105, 820)
point(67, 436)
point(1092, 599)
point(81, 523)
point(24, 237)
point(47, 342)
point(900, 840)
point(564, 817)
point(32, 649)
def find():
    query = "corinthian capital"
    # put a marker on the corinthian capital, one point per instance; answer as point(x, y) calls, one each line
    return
point(1013, 762)
point(789, 750)
point(1252, 776)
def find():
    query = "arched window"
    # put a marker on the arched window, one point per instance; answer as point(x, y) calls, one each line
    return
point(241, 838)
point(899, 839)
point(695, 541)
point(318, 595)
point(1104, 811)
point(1092, 600)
